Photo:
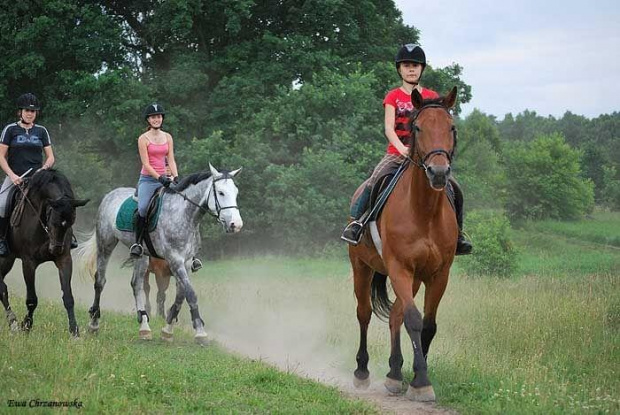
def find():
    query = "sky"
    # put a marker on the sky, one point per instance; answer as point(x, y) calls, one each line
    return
point(548, 56)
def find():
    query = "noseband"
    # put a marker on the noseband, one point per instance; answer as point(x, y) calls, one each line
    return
point(421, 161)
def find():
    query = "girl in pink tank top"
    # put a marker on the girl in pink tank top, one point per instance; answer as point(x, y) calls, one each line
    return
point(156, 149)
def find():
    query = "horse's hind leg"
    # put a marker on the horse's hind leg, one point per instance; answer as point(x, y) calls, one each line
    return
point(5, 266)
point(167, 330)
point(394, 379)
point(29, 269)
point(65, 270)
point(362, 278)
point(137, 283)
point(147, 291)
point(162, 278)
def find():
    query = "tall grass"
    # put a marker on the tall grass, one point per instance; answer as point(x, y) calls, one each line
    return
point(546, 341)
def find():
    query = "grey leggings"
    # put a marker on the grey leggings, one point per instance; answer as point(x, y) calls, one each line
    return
point(147, 185)
point(4, 195)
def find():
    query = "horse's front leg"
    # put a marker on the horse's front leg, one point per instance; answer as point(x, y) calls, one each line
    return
point(5, 266)
point(167, 330)
point(420, 388)
point(104, 250)
point(200, 335)
point(432, 296)
point(29, 268)
point(362, 278)
point(137, 283)
point(65, 271)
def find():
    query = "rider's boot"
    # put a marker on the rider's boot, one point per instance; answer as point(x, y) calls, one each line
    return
point(352, 233)
point(136, 249)
point(463, 246)
point(196, 264)
point(4, 246)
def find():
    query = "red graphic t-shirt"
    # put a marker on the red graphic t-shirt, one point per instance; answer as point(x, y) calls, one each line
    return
point(401, 101)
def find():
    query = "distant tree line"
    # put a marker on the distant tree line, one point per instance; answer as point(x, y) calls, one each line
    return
point(289, 90)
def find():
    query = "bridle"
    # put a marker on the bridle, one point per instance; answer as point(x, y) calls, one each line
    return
point(204, 207)
point(421, 161)
point(54, 243)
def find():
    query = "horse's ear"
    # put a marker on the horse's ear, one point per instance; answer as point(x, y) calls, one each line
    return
point(214, 171)
point(416, 99)
point(450, 99)
point(235, 172)
point(79, 202)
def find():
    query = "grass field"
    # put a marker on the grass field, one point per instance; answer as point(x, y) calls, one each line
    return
point(545, 341)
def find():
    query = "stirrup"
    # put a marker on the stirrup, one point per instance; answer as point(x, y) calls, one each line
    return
point(136, 250)
point(352, 233)
point(196, 265)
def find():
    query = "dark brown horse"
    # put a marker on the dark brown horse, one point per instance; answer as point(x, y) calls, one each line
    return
point(42, 233)
point(418, 233)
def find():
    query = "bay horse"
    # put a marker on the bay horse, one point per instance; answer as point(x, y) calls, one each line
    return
point(418, 233)
point(176, 239)
point(42, 232)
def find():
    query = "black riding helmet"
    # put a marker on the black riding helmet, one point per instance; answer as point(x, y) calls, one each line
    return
point(411, 53)
point(154, 109)
point(28, 101)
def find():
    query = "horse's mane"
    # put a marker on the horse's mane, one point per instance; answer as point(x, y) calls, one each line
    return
point(195, 178)
point(42, 178)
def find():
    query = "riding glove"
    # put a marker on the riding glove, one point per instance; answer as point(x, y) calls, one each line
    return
point(164, 180)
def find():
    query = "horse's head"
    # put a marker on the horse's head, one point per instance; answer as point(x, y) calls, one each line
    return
point(52, 191)
point(434, 137)
point(222, 199)
point(59, 217)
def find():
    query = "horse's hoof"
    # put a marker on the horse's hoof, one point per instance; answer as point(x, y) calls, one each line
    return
point(146, 334)
point(166, 335)
point(361, 383)
point(394, 387)
point(201, 339)
point(93, 328)
point(423, 394)
point(14, 326)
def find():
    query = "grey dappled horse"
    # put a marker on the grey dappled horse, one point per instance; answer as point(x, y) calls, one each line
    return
point(176, 239)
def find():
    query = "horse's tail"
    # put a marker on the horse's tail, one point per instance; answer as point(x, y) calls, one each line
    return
point(381, 304)
point(86, 256)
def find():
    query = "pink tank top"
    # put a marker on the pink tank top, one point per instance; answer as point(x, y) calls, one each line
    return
point(157, 157)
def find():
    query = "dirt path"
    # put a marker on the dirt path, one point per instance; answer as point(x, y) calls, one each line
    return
point(376, 392)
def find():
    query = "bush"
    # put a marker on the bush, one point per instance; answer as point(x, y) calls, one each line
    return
point(544, 181)
point(493, 252)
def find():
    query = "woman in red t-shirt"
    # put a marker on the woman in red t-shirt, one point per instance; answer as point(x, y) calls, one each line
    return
point(410, 64)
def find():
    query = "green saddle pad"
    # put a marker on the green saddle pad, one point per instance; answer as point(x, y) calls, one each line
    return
point(125, 218)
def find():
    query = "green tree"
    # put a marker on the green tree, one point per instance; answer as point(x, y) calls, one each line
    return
point(544, 181)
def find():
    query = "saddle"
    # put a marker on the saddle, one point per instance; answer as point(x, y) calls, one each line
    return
point(384, 186)
point(126, 218)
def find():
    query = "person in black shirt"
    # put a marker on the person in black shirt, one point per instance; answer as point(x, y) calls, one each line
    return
point(22, 145)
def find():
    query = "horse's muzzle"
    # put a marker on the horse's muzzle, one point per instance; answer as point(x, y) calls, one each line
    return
point(438, 176)
point(56, 250)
